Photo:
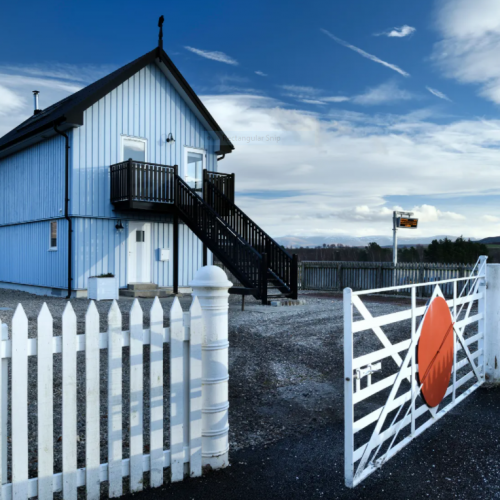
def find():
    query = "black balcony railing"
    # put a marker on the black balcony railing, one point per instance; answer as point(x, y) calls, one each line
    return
point(136, 181)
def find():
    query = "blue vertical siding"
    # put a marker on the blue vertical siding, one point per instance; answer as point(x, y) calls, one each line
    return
point(98, 248)
point(190, 254)
point(101, 249)
point(32, 183)
point(26, 258)
point(146, 105)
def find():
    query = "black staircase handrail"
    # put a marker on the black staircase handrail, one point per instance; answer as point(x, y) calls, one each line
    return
point(280, 262)
point(236, 254)
point(224, 182)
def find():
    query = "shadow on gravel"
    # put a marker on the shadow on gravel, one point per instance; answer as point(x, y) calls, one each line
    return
point(456, 458)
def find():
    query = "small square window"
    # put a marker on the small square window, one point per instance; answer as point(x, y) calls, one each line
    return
point(134, 148)
point(139, 236)
point(53, 235)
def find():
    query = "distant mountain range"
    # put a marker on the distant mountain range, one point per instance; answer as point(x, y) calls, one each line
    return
point(490, 240)
point(361, 241)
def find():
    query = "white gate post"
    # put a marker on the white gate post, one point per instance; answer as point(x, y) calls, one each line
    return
point(492, 324)
point(211, 287)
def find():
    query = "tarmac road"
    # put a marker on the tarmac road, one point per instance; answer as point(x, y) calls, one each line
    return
point(457, 458)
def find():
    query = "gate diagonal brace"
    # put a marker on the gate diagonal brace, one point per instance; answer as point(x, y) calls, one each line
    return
point(365, 313)
point(468, 354)
point(371, 444)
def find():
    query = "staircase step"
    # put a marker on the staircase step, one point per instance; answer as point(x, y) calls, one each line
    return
point(142, 286)
point(145, 294)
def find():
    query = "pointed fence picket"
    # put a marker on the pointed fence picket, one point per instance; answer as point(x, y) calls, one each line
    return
point(185, 454)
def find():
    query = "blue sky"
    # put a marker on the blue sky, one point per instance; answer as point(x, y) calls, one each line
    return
point(362, 106)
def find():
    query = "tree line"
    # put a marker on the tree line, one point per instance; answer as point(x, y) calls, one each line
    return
point(444, 251)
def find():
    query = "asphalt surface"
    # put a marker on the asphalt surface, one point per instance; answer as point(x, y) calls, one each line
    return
point(458, 457)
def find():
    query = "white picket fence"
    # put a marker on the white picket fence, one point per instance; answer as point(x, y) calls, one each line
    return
point(184, 335)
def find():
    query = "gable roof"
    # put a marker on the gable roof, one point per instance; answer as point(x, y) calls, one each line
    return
point(70, 110)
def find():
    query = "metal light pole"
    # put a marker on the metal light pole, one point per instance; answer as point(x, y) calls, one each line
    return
point(394, 239)
point(395, 217)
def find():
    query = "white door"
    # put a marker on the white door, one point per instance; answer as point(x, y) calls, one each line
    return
point(194, 164)
point(139, 252)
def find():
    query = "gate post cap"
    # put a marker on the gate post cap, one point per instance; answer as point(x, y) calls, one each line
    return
point(210, 277)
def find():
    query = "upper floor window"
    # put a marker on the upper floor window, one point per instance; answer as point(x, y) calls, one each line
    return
point(134, 148)
point(53, 235)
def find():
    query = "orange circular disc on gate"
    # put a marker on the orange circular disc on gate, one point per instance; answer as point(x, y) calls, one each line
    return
point(435, 352)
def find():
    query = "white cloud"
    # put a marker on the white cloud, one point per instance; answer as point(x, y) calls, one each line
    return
point(54, 81)
point(9, 101)
point(85, 73)
point(383, 94)
point(298, 90)
point(366, 54)
point(429, 213)
point(214, 55)
point(470, 44)
point(260, 73)
point(336, 98)
point(401, 32)
point(327, 164)
point(312, 101)
point(491, 218)
point(425, 213)
point(438, 93)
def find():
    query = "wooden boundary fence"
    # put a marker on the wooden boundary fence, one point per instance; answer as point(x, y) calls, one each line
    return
point(335, 276)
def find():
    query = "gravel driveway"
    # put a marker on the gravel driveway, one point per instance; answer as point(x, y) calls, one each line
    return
point(286, 367)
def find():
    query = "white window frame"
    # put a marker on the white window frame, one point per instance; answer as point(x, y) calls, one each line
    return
point(189, 149)
point(133, 138)
point(51, 248)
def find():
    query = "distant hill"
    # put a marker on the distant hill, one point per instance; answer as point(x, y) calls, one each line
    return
point(353, 241)
point(491, 240)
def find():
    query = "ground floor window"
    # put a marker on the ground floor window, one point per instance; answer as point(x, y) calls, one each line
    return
point(53, 235)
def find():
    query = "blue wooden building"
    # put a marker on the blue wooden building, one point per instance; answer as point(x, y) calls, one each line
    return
point(122, 178)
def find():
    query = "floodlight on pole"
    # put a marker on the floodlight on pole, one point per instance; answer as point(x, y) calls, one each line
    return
point(403, 220)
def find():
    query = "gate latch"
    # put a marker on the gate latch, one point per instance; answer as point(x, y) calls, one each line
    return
point(366, 371)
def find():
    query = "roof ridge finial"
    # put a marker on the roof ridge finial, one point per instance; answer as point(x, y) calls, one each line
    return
point(160, 36)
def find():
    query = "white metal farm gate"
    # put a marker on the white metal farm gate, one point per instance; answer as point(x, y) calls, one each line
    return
point(384, 408)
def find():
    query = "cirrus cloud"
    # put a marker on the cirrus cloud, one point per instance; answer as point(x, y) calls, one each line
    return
point(213, 55)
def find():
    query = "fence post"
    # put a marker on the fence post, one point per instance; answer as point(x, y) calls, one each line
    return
point(263, 278)
point(211, 287)
point(5, 404)
point(294, 278)
point(421, 279)
point(348, 389)
point(492, 324)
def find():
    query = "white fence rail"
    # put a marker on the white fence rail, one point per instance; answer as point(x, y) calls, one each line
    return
point(194, 437)
point(383, 414)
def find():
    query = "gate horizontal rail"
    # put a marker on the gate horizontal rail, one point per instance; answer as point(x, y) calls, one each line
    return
point(385, 413)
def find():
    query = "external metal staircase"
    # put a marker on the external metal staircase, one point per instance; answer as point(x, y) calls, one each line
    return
point(259, 263)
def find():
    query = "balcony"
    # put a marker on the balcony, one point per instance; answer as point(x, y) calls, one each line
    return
point(139, 185)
